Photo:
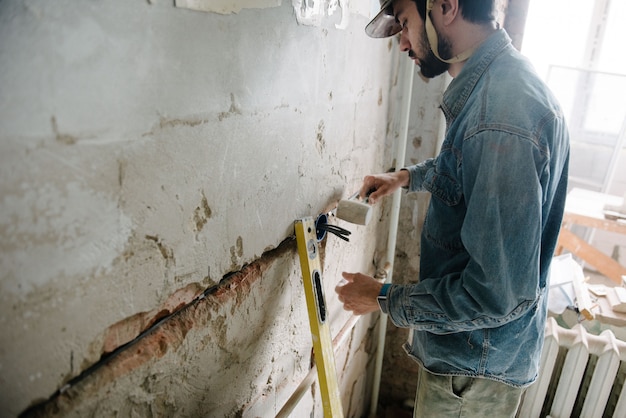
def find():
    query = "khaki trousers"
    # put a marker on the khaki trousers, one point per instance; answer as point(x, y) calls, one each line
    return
point(461, 396)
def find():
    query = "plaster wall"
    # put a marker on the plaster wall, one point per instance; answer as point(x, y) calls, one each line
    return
point(150, 153)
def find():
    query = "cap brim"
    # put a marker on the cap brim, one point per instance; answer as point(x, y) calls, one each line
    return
point(384, 24)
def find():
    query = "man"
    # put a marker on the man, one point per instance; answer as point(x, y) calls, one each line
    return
point(498, 190)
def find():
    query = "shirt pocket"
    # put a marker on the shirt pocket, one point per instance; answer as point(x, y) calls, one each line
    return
point(443, 186)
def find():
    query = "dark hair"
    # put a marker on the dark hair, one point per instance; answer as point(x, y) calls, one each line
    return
point(478, 11)
point(475, 11)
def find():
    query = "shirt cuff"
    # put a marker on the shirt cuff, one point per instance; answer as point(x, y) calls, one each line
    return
point(407, 187)
point(382, 298)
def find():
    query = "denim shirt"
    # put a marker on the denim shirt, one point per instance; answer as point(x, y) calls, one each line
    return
point(498, 191)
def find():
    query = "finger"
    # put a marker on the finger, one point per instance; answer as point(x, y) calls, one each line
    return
point(367, 186)
point(339, 289)
point(373, 198)
point(348, 276)
point(377, 193)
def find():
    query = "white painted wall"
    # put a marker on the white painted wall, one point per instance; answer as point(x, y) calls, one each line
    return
point(146, 148)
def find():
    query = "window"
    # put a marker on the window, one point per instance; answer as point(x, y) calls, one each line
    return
point(575, 46)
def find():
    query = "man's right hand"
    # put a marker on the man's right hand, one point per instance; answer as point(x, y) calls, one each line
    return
point(380, 185)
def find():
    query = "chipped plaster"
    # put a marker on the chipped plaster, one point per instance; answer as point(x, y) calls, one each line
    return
point(138, 166)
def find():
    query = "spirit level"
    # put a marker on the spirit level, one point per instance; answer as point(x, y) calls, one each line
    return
point(310, 263)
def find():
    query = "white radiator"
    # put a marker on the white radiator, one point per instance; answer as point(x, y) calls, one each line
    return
point(581, 375)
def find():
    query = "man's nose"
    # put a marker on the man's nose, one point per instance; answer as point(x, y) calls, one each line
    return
point(404, 43)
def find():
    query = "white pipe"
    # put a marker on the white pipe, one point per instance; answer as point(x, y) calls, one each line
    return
point(308, 380)
point(409, 69)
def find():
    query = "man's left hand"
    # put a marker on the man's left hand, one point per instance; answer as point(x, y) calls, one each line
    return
point(360, 294)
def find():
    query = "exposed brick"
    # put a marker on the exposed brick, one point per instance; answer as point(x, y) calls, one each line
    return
point(129, 328)
point(156, 342)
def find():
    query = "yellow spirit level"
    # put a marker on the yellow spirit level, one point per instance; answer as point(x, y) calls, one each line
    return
point(308, 250)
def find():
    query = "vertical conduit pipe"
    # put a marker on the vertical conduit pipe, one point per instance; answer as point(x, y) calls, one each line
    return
point(309, 379)
point(408, 69)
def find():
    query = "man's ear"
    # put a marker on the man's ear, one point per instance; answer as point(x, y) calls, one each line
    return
point(449, 10)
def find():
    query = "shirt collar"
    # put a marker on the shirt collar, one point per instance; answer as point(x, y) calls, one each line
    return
point(459, 90)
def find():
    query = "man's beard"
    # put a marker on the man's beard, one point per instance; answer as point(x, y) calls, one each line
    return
point(445, 48)
point(430, 65)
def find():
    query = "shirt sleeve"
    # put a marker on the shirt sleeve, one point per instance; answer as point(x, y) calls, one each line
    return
point(417, 174)
point(501, 178)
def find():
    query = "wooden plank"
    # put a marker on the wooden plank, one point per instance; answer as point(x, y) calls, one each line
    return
point(605, 264)
point(583, 300)
point(593, 222)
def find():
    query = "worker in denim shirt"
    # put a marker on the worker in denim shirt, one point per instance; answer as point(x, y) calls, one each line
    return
point(498, 191)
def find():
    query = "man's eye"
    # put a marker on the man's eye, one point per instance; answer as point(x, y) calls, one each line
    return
point(401, 23)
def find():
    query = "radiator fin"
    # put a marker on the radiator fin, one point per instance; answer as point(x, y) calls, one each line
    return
point(581, 374)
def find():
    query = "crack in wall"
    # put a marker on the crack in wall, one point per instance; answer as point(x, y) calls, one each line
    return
point(60, 137)
point(233, 110)
point(129, 328)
